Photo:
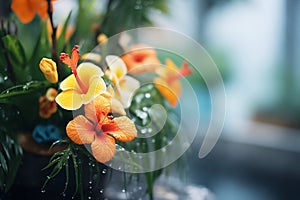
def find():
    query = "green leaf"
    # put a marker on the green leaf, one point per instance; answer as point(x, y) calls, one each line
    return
point(12, 95)
point(61, 41)
point(15, 50)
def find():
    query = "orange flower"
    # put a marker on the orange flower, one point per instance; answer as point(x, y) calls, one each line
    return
point(168, 82)
point(100, 129)
point(47, 103)
point(26, 9)
point(140, 59)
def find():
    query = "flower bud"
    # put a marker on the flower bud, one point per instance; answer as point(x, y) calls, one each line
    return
point(48, 67)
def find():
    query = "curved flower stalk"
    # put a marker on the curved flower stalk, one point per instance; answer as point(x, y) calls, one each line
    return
point(26, 9)
point(140, 59)
point(81, 87)
point(168, 82)
point(125, 85)
point(100, 129)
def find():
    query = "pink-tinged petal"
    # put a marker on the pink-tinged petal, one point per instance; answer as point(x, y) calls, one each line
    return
point(80, 130)
point(103, 148)
point(87, 70)
point(121, 128)
point(69, 100)
point(116, 66)
point(126, 89)
point(97, 86)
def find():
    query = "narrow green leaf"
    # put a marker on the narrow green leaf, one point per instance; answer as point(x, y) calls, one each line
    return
point(15, 50)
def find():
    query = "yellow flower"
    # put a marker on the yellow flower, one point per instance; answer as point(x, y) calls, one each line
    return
point(125, 85)
point(81, 87)
point(47, 103)
point(49, 69)
point(168, 82)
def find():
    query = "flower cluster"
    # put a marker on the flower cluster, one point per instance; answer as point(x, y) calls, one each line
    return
point(86, 88)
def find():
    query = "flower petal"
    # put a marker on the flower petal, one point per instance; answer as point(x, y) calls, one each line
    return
point(96, 87)
point(24, 10)
point(87, 70)
point(117, 107)
point(170, 92)
point(126, 89)
point(116, 66)
point(68, 83)
point(103, 148)
point(98, 109)
point(69, 100)
point(80, 130)
point(121, 128)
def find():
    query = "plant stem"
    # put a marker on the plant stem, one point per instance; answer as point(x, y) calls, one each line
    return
point(53, 35)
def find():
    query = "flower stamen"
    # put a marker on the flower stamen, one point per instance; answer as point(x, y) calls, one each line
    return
point(72, 63)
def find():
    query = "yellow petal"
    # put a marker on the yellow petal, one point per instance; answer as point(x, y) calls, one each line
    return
point(69, 100)
point(80, 130)
point(122, 128)
point(87, 70)
point(116, 66)
point(96, 87)
point(68, 83)
point(103, 148)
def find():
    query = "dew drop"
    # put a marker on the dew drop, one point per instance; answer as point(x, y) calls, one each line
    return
point(90, 182)
point(101, 191)
point(147, 95)
point(123, 190)
point(43, 191)
point(64, 194)
point(89, 197)
point(140, 188)
point(104, 171)
point(5, 78)
point(153, 140)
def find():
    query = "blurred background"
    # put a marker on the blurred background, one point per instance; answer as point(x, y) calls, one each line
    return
point(256, 45)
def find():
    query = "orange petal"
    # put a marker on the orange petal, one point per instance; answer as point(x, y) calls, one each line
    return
point(170, 92)
point(80, 130)
point(121, 128)
point(98, 109)
point(103, 148)
point(23, 10)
